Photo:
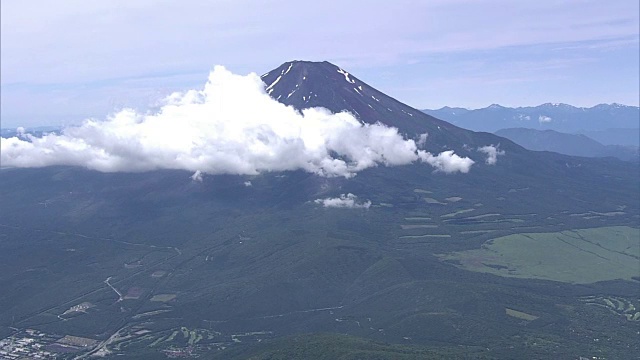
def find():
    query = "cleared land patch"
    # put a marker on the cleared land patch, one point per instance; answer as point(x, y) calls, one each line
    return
point(420, 191)
point(462, 220)
point(573, 256)
point(520, 314)
point(429, 200)
point(134, 293)
point(425, 236)
point(163, 297)
point(481, 216)
point(610, 213)
point(83, 307)
point(457, 213)
point(158, 274)
point(617, 305)
point(418, 226)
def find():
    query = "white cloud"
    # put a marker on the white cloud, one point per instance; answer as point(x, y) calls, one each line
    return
point(230, 127)
point(447, 162)
point(197, 176)
point(248, 183)
point(492, 153)
point(344, 201)
point(544, 119)
point(422, 139)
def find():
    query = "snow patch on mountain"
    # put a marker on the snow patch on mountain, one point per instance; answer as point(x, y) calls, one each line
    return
point(346, 76)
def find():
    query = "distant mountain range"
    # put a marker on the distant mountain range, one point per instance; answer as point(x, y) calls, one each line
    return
point(621, 136)
point(559, 117)
point(568, 144)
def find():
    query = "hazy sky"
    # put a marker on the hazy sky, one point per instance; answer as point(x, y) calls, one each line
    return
point(64, 61)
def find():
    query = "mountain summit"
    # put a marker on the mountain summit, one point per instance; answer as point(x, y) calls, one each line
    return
point(307, 84)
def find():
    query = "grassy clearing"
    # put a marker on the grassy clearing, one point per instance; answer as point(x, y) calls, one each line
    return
point(610, 213)
point(496, 221)
point(163, 297)
point(425, 236)
point(457, 213)
point(420, 191)
point(578, 256)
point(429, 200)
point(421, 226)
point(520, 314)
point(158, 274)
point(481, 216)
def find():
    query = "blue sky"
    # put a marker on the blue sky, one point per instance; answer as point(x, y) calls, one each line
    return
point(62, 62)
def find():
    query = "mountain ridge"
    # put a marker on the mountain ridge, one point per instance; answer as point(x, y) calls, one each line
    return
point(554, 116)
point(613, 105)
point(568, 144)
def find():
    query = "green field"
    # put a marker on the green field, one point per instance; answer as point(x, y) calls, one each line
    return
point(577, 256)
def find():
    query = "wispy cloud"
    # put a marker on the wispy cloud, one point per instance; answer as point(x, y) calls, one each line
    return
point(544, 119)
point(492, 152)
point(45, 44)
point(349, 201)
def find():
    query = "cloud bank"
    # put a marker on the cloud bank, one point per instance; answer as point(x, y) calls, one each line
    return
point(422, 139)
point(544, 119)
point(344, 201)
point(492, 153)
point(231, 126)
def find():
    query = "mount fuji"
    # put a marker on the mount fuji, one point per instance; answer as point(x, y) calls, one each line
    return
point(507, 260)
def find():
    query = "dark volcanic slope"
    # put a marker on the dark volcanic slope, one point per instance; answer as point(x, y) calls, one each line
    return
point(306, 84)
